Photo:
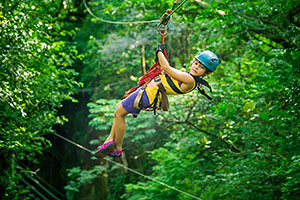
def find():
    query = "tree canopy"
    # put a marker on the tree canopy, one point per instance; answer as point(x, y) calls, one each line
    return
point(244, 144)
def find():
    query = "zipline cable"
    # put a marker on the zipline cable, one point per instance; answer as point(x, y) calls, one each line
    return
point(30, 174)
point(177, 8)
point(34, 189)
point(116, 22)
point(43, 188)
point(127, 168)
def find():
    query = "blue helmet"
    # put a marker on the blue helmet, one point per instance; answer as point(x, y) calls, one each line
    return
point(208, 59)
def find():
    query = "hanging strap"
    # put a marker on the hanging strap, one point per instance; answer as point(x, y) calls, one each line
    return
point(164, 97)
point(203, 92)
point(202, 83)
point(205, 83)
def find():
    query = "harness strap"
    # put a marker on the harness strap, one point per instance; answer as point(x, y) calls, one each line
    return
point(199, 82)
point(172, 85)
point(202, 91)
point(205, 83)
point(154, 104)
point(164, 97)
point(164, 104)
point(200, 88)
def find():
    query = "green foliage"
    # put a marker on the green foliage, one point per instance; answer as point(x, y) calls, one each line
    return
point(79, 177)
point(35, 78)
point(242, 145)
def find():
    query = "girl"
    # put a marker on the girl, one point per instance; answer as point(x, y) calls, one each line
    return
point(174, 82)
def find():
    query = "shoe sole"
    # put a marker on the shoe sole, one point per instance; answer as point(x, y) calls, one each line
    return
point(103, 152)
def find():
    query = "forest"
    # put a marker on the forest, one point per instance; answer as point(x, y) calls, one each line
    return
point(65, 65)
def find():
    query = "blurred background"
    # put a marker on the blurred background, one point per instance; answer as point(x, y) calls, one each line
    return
point(63, 71)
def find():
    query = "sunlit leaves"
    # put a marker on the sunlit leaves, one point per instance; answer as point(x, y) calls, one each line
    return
point(36, 76)
point(78, 177)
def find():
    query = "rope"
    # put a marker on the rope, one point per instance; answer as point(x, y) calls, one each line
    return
point(127, 168)
point(116, 22)
point(30, 174)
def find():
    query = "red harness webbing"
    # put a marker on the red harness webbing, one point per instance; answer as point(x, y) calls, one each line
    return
point(151, 73)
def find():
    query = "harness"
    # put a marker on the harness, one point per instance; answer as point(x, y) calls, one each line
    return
point(164, 103)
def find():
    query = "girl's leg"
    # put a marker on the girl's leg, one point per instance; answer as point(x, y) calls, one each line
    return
point(120, 126)
point(111, 136)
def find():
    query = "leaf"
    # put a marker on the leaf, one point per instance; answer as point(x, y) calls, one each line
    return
point(249, 106)
point(264, 116)
point(94, 142)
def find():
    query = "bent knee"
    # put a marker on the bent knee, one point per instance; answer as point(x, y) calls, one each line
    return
point(120, 111)
point(118, 105)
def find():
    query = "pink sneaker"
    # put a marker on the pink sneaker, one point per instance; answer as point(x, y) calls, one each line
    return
point(115, 153)
point(105, 149)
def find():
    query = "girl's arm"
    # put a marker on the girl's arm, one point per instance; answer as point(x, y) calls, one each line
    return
point(174, 73)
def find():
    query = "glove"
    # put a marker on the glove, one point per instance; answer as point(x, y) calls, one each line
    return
point(160, 47)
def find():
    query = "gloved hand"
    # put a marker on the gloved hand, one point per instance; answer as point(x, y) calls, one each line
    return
point(160, 47)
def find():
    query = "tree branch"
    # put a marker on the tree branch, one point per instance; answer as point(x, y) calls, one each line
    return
point(205, 132)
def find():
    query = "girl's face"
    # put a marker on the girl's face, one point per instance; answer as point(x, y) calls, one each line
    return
point(197, 69)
